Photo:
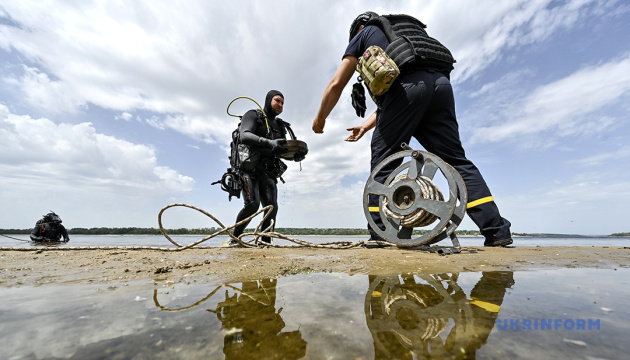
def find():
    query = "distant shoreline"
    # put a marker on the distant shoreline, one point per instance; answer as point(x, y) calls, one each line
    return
point(286, 231)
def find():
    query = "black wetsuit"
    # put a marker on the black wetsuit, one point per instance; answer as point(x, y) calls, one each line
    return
point(49, 232)
point(420, 104)
point(260, 185)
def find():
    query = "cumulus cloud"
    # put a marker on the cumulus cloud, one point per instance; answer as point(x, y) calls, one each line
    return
point(38, 152)
point(182, 66)
point(41, 92)
point(177, 63)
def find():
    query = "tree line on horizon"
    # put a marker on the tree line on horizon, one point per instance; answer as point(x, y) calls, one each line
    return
point(211, 230)
point(286, 231)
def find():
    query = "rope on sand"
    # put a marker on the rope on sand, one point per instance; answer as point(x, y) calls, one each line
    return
point(239, 241)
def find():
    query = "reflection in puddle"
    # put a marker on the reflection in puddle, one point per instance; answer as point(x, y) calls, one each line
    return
point(325, 316)
point(431, 316)
point(254, 327)
point(251, 323)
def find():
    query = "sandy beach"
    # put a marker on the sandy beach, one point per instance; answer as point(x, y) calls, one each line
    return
point(59, 267)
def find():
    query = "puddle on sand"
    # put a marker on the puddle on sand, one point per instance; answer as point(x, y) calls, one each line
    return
point(563, 314)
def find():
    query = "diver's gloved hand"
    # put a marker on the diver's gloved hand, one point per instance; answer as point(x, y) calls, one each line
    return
point(358, 99)
point(277, 146)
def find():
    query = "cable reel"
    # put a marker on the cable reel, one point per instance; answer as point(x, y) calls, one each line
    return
point(410, 199)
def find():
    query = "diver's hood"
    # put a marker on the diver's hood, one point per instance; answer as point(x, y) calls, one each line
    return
point(271, 114)
point(52, 217)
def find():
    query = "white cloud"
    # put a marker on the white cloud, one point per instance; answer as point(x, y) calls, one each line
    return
point(488, 31)
point(124, 116)
point(570, 106)
point(72, 156)
point(163, 58)
point(171, 60)
point(154, 121)
point(41, 92)
point(614, 157)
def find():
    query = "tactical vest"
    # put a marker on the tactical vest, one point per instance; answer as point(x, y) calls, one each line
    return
point(409, 44)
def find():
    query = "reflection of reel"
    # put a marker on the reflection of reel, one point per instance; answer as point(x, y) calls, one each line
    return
point(425, 314)
point(409, 193)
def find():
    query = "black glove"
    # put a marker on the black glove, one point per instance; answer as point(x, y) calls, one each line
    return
point(298, 157)
point(277, 146)
point(358, 99)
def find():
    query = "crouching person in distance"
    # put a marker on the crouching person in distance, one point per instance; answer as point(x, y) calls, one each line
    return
point(49, 229)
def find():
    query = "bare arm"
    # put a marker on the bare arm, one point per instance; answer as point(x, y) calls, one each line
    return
point(333, 91)
point(360, 130)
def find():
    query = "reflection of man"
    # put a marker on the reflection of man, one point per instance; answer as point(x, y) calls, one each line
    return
point(254, 327)
point(430, 316)
point(487, 297)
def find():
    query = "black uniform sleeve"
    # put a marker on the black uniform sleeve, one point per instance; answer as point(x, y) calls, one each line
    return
point(370, 35)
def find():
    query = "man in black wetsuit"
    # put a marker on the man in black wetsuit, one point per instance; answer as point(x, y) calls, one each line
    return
point(419, 103)
point(265, 134)
point(49, 229)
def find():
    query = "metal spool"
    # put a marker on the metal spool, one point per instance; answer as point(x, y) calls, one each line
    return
point(405, 194)
point(294, 147)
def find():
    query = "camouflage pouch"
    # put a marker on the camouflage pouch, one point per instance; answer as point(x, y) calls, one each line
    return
point(378, 70)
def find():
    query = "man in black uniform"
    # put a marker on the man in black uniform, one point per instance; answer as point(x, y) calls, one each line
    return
point(49, 229)
point(265, 134)
point(419, 103)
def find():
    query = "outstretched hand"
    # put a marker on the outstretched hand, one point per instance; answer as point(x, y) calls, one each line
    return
point(357, 133)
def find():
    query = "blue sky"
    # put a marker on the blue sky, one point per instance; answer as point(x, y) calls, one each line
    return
point(111, 110)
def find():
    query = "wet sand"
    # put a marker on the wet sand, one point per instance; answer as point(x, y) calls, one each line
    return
point(59, 267)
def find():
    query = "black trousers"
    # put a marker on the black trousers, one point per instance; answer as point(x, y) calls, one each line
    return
point(258, 188)
point(421, 104)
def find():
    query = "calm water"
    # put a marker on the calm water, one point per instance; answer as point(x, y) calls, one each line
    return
point(161, 241)
point(488, 315)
